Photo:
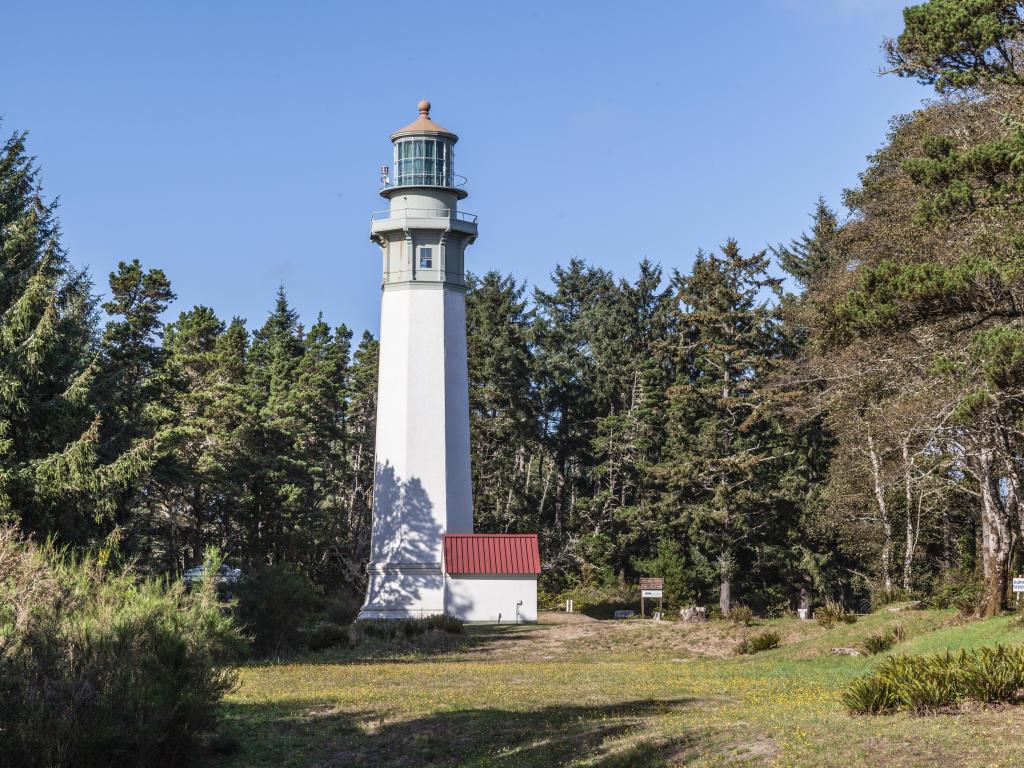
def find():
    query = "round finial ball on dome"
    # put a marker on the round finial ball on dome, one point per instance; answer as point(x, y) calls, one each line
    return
point(424, 107)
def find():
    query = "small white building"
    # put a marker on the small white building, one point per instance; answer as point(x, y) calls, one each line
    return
point(422, 490)
point(491, 577)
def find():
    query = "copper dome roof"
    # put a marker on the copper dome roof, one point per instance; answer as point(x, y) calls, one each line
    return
point(424, 125)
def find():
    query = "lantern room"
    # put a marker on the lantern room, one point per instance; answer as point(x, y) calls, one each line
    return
point(424, 156)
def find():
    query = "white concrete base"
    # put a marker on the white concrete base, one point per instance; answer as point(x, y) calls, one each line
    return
point(403, 591)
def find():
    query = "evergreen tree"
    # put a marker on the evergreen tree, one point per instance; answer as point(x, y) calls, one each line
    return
point(130, 383)
point(53, 478)
point(360, 438)
point(199, 490)
point(723, 454)
point(570, 388)
point(958, 44)
point(503, 415)
point(637, 355)
point(809, 255)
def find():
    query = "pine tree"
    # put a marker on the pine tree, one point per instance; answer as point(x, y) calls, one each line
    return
point(53, 480)
point(637, 356)
point(960, 44)
point(503, 415)
point(199, 488)
point(571, 321)
point(130, 391)
point(723, 447)
point(360, 437)
point(809, 255)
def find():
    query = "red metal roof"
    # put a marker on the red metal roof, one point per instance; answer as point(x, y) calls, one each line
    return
point(491, 553)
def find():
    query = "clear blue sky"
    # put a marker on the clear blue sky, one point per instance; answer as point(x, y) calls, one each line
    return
point(236, 145)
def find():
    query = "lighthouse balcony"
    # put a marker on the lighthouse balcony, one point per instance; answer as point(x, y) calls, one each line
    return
point(422, 218)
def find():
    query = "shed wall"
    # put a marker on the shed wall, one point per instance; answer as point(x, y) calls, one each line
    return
point(482, 598)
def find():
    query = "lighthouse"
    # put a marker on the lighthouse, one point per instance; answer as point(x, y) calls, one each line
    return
point(422, 491)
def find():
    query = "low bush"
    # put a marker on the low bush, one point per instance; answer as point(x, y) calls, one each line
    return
point(881, 597)
point(378, 629)
point(341, 608)
point(763, 641)
point(326, 634)
point(833, 613)
point(936, 681)
point(445, 623)
point(277, 606)
point(392, 629)
point(741, 614)
point(962, 590)
point(105, 669)
point(879, 642)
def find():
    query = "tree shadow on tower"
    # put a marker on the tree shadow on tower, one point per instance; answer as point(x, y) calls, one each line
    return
point(406, 540)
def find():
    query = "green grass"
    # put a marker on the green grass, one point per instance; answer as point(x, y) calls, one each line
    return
point(611, 694)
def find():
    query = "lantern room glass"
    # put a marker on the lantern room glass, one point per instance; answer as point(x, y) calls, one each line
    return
point(423, 162)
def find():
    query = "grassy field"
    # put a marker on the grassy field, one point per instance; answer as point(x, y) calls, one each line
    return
point(627, 693)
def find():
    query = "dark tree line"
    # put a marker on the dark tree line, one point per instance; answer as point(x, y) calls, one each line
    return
point(860, 436)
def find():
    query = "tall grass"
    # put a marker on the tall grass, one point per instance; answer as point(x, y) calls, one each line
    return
point(105, 669)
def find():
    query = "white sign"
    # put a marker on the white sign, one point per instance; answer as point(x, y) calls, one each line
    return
point(650, 593)
point(1018, 584)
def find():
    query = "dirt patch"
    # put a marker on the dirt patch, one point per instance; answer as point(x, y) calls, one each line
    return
point(564, 635)
point(558, 617)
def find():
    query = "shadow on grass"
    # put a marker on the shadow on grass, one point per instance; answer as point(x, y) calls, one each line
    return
point(308, 734)
point(417, 649)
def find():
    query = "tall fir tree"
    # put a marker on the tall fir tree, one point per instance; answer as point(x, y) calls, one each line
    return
point(504, 428)
point(808, 256)
point(724, 449)
point(53, 478)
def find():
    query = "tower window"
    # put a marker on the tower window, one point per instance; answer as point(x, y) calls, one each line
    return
point(426, 258)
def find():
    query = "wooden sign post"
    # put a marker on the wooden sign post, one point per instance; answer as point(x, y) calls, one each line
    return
point(650, 588)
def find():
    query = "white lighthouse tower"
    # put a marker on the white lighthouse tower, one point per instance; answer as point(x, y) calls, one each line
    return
point(422, 487)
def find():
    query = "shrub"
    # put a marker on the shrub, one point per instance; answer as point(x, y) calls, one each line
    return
point(741, 614)
point(276, 605)
point(832, 613)
point(991, 675)
point(934, 681)
point(881, 597)
point(445, 623)
point(326, 634)
point(379, 629)
point(884, 640)
point(341, 607)
point(763, 641)
point(870, 695)
point(391, 629)
point(962, 590)
point(101, 668)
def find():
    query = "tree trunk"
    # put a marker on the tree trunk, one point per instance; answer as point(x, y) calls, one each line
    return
point(910, 543)
point(883, 514)
point(947, 541)
point(995, 535)
point(724, 596)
